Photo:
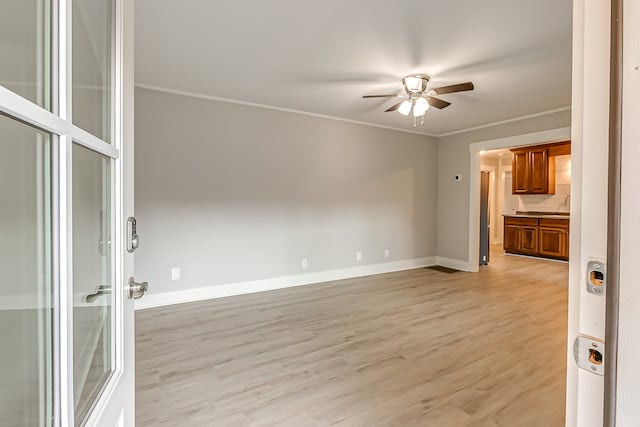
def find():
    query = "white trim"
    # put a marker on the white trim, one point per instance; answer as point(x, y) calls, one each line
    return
point(65, 259)
point(456, 264)
point(271, 107)
point(220, 291)
point(16, 106)
point(543, 137)
point(504, 122)
point(108, 402)
point(340, 119)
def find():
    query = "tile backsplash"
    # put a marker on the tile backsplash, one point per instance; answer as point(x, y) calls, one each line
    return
point(558, 202)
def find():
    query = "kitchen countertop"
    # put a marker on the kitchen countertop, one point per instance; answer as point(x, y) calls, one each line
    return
point(547, 215)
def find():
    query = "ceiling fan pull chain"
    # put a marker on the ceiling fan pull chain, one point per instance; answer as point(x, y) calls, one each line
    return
point(414, 121)
point(422, 121)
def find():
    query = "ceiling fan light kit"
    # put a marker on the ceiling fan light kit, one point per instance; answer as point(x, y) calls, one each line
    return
point(405, 108)
point(415, 83)
point(419, 98)
point(420, 107)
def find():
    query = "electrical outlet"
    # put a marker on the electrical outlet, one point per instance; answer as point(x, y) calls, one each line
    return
point(386, 253)
point(305, 263)
point(358, 256)
point(175, 273)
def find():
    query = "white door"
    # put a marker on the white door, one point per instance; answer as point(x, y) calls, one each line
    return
point(66, 191)
point(589, 177)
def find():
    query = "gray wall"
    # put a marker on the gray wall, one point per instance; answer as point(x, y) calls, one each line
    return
point(232, 193)
point(454, 158)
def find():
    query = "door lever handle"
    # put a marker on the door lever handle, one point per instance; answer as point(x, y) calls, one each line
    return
point(102, 290)
point(136, 290)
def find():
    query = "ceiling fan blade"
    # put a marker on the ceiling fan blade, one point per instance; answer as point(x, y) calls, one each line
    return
point(394, 107)
point(384, 96)
point(460, 87)
point(437, 102)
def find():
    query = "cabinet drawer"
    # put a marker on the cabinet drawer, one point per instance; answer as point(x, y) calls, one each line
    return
point(554, 223)
point(510, 220)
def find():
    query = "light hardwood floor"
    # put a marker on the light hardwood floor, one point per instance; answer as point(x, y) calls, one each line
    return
point(413, 348)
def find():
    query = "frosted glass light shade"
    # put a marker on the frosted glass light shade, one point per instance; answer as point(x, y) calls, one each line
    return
point(405, 108)
point(414, 84)
point(420, 108)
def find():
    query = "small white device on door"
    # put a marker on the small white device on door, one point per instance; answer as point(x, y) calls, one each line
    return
point(133, 241)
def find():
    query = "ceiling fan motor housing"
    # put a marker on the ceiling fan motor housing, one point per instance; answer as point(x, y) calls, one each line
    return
point(415, 83)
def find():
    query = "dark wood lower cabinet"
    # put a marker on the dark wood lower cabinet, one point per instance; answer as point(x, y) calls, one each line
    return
point(541, 237)
point(529, 240)
point(554, 242)
point(511, 237)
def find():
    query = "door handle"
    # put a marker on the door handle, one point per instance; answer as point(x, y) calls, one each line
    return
point(136, 290)
point(102, 290)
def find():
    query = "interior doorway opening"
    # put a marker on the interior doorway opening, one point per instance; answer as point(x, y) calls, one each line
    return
point(526, 214)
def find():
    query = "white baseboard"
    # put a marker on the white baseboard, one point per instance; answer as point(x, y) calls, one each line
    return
point(453, 263)
point(227, 290)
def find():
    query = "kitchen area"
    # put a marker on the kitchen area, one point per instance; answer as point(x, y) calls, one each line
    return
point(527, 201)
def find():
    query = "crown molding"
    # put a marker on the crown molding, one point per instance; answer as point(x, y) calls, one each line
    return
point(274, 108)
point(503, 122)
point(341, 119)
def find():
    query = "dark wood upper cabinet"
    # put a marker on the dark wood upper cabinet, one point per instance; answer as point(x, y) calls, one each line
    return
point(542, 172)
point(520, 172)
point(534, 168)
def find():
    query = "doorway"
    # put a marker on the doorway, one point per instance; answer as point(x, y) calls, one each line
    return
point(532, 221)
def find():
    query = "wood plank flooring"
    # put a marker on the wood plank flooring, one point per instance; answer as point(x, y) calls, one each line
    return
point(413, 348)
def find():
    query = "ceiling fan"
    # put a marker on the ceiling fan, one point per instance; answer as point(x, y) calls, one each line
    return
point(419, 98)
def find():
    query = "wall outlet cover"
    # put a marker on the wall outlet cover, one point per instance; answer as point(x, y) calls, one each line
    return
point(358, 256)
point(175, 273)
point(305, 263)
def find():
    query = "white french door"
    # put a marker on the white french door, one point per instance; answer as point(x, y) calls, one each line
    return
point(66, 190)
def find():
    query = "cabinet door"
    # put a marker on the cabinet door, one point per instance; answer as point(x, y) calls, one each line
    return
point(520, 172)
point(565, 246)
point(552, 242)
point(511, 238)
point(538, 171)
point(529, 240)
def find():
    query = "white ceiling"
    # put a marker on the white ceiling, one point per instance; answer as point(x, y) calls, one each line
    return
point(496, 154)
point(322, 56)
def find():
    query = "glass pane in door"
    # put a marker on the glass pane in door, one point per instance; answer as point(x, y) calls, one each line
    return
point(92, 279)
point(25, 282)
point(92, 59)
point(25, 47)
